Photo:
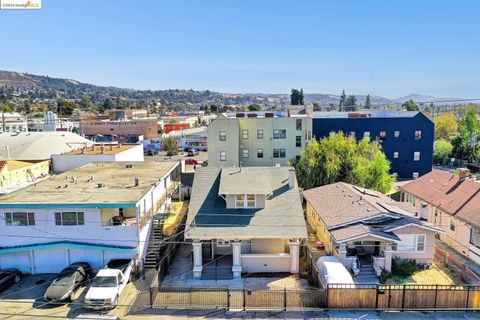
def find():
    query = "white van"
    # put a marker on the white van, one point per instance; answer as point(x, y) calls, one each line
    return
point(333, 271)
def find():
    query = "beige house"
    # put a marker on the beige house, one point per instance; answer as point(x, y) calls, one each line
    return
point(257, 139)
point(245, 220)
point(452, 203)
point(365, 229)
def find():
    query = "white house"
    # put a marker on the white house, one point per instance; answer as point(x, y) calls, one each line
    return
point(247, 219)
point(97, 153)
point(93, 213)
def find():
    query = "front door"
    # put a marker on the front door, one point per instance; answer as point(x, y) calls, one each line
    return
point(207, 250)
point(376, 251)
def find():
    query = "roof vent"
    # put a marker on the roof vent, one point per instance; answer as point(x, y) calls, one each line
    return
point(137, 182)
point(90, 179)
point(129, 166)
point(100, 185)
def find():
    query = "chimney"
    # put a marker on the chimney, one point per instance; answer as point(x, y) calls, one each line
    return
point(291, 178)
point(137, 182)
point(463, 173)
point(102, 149)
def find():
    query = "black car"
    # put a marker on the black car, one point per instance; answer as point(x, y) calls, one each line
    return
point(205, 163)
point(67, 281)
point(9, 277)
point(192, 153)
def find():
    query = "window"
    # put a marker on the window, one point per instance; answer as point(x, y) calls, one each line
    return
point(410, 198)
point(411, 243)
point(418, 135)
point(260, 153)
point(298, 141)
point(396, 133)
point(452, 224)
point(223, 243)
point(416, 156)
point(279, 133)
point(223, 155)
point(279, 153)
point(69, 218)
point(245, 201)
point(366, 134)
point(19, 218)
point(415, 175)
point(352, 133)
point(298, 124)
point(244, 134)
point(395, 155)
point(260, 134)
point(395, 175)
point(475, 237)
point(245, 153)
point(383, 135)
point(222, 135)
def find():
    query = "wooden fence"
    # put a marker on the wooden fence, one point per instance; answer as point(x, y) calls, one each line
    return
point(467, 274)
point(403, 297)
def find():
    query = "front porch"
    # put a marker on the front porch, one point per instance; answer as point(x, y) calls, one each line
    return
point(228, 259)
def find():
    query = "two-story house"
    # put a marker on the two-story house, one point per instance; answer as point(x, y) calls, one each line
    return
point(452, 203)
point(256, 139)
point(94, 213)
point(246, 219)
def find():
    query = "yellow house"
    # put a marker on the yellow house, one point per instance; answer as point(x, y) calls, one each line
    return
point(19, 173)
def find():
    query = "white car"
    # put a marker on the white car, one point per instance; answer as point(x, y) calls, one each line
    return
point(333, 271)
point(108, 285)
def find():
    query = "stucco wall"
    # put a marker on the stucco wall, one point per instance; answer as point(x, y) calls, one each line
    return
point(420, 257)
point(265, 263)
point(269, 246)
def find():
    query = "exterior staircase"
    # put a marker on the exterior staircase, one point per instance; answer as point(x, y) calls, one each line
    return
point(154, 245)
point(367, 275)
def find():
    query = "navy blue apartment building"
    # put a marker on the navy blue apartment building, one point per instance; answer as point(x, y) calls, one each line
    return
point(406, 137)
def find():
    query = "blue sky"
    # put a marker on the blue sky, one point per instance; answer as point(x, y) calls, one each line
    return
point(389, 48)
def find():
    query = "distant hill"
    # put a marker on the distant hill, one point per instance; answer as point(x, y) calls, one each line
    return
point(51, 87)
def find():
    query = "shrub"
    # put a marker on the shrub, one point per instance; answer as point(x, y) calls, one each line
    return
point(404, 267)
point(384, 276)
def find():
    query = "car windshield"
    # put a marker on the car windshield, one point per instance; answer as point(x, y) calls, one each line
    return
point(63, 281)
point(104, 282)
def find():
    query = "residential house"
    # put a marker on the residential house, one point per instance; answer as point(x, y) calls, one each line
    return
point(450, 202)
point(256, 139)
point(94, 213)
point(107, 152)
point(12, 122)
point(248, 219)
point(366, 228)
point(406, 137)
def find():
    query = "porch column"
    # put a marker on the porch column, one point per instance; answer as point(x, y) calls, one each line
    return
point(294, 256)
point(388, 252)
point(342, 253)
point(197, 259)
point(237, 259)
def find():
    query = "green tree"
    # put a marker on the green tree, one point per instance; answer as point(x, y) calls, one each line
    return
point(465, 143)
point(108, 104)
point(316, 107)
point(441, 151)
point(351, 103)
point(446, 125)
point(340, 158)
point(6, 107)
point(368, 102)
point(296, 97)
point(65, 108)
point(341, 104)
point(170, 146)
point(410, 105)
point(254, 107)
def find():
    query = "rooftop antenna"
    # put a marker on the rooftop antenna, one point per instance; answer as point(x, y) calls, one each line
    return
point(240, 166)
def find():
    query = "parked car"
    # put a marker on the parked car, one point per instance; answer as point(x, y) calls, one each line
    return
point(205, 163)
point(109, 284)
point(151, 153)
point(9, 277)
point(192, 153)
point(63, 287)
point(191, 161)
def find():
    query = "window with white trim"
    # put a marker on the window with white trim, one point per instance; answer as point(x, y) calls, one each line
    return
point(19, 218)
point(279, 133)
point(223, 155)
point(279, 153)
point(475, 237)
point(260, 153)
point(352, 133)
point(366, 134)
point(244, 153)
point(222, 136)
point(415, 175)
point(383, 135)
point(259, 133)
point(416, 156)
point(69, 218)
point(395, 155)
point(245, 201)
point(396, 133)
point(411, 243)
point(418, 135)
point(244, 134)
point(223, 243)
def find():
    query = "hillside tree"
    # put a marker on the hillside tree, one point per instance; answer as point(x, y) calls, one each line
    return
point(368, 102)
point(341, 104)
point(446, 125)
point(410, 105)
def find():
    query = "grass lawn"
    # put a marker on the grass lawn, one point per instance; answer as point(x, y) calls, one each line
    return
point(438, 274)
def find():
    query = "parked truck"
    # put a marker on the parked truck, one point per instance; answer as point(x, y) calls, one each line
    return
point(109, 284)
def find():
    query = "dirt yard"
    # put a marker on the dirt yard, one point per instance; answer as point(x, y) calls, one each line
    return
point(439, 274)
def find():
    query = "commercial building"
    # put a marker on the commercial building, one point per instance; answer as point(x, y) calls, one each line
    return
point(257, 138)
point(39, 145)
point(406, 137)
point(51, 122)
point(125, 131)
point(450, 202)
point(13, 122)
point(96, 153)
point(246, 219)
point(366, 229)
point(93, 213)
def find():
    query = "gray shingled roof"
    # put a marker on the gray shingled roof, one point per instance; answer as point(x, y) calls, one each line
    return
point(208, 217)
point(241, 181)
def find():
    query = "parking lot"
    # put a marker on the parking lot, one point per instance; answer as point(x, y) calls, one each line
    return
point(24, 300)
